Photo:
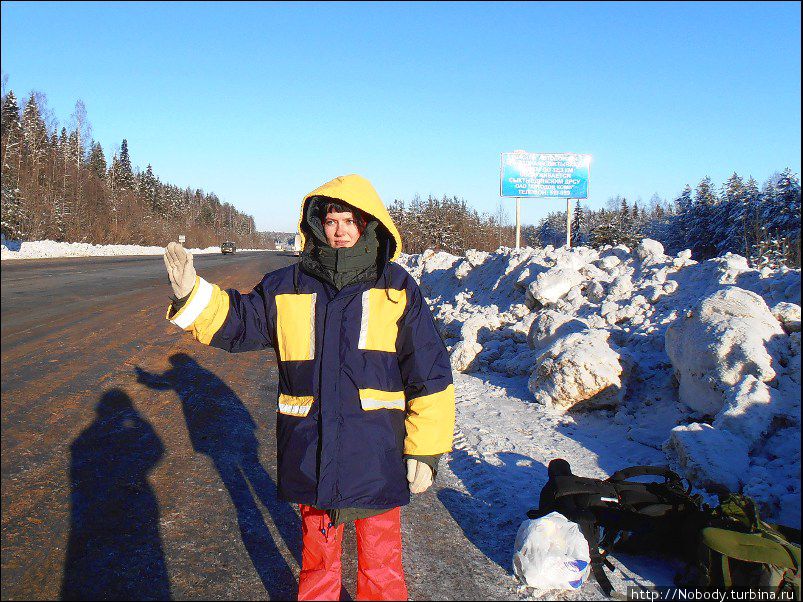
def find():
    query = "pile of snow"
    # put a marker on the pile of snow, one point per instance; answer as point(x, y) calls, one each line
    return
point(718, 343)
point(698, 360)
point(42, 249)
point(581, 367)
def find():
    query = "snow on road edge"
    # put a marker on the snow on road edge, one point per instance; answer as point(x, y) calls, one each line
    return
point(50, 249)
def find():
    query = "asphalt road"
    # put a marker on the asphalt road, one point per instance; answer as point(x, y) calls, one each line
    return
point(139, 464)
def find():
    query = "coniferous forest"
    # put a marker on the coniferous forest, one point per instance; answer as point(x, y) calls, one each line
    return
point(60, 184)
point(761, 224)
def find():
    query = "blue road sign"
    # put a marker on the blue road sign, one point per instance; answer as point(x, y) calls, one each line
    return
point(546, 175)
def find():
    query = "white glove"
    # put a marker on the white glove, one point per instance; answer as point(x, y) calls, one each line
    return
point(419, 475)
point(179, 269)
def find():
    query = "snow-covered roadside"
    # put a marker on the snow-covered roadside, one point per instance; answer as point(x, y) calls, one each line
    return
point(44, 249)
point(608, 359)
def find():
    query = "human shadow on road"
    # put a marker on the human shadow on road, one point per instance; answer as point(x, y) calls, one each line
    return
point(114, 551)
point(221, 427)
point(497, 500)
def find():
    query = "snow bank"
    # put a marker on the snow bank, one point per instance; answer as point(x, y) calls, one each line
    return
point(42, 249)
point(788, 314)
point(550, 325)
point(713, 459)
point(650, 251)
point(722, 340)
point(699, 360)
point(553, 284)
point(579, 368)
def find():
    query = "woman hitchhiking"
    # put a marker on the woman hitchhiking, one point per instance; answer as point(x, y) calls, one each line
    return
point(366, 401)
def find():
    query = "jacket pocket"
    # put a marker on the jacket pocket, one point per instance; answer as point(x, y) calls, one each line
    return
point(379, 326)
point(374, 399)
point(293, 405)
point(295, 327)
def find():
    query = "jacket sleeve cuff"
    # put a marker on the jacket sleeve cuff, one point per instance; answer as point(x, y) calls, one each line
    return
point(177, 304)
point(193, 306)
point(431, 461)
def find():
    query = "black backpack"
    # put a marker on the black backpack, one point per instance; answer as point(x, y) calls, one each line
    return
point(617, 512)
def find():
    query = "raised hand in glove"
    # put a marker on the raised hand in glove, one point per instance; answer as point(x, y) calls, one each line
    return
point(419, 475)
point(179, 269)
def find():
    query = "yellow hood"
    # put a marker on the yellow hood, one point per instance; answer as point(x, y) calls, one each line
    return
point(357, 192)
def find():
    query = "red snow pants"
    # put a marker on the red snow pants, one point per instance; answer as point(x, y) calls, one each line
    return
point(380, 575)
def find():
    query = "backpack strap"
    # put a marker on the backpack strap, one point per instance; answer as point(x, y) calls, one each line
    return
point(596, 489)
point(727, 580)
point(599, 574)
point(789, 533)
point(599, 563)
point(641, 471)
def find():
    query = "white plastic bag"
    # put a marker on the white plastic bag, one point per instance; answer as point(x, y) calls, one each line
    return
point(551, 553)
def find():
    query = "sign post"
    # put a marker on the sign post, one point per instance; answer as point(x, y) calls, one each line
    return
point(568, 223)
point(544, 175)
point(181, 239)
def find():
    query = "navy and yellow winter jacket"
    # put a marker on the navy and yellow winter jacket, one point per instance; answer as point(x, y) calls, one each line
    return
point(364, 377)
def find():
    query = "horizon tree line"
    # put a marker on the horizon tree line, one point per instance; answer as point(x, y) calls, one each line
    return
point(59, 184)
point(762, 225)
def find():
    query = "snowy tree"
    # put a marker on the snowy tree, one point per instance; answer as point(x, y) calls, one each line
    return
point(722, 212)
point(74, 151)
point(529, 235)
point(684, 202)
point(148, 188)
point(124, 173)
point(607, 233)
point(769, 252)
point(578, 224)
point(97, 161)
point(784, 216)
point(34, 130)
point(702, 232)
point(11, 134)
point(10, 112)
point(624, 212)
point(11, 219)
point(739, 222)
point(704, 193)
point(780, 218)
point(733, 190)
point(552, 229)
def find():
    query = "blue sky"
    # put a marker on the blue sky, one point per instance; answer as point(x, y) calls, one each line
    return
point(262, 102)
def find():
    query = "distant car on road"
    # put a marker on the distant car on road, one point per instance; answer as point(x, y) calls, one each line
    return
point(228, 247)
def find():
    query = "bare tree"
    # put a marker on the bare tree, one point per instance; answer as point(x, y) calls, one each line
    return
point(502, 218)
